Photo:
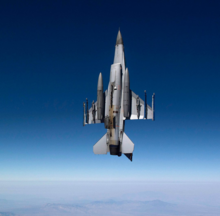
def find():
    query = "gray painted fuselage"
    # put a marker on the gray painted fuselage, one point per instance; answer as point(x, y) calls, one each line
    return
point(114, 108)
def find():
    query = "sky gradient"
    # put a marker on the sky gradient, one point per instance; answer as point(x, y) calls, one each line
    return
point(51, 54)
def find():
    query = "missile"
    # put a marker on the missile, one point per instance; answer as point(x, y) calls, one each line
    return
point(145, 94)
point(100, 98)
point(126, 97)
point(87, 111)
point(153, 106)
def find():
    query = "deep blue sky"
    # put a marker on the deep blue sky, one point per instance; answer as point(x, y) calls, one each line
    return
point(51, 53)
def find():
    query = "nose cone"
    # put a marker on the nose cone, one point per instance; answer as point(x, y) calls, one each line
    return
point(119, 38)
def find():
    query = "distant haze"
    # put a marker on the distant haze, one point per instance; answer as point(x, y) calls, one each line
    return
point(155, 197)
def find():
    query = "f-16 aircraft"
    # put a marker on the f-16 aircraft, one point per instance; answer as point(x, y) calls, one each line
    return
point(117, 104)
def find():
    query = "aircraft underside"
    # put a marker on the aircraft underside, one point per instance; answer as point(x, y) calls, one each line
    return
point(117, 104)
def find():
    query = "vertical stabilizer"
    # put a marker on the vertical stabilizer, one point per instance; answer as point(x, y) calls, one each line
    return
point(129, 156)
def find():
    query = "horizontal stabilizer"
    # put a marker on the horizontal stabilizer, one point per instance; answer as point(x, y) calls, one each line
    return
point(101, 146)
point(127, 145)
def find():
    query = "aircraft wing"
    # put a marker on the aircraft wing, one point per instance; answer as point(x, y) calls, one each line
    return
point(90, 116)
point(138, 108)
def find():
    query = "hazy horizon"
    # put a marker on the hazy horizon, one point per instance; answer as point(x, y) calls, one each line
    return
point(97, 198)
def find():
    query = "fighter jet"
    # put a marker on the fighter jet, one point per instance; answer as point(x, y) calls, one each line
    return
point(117, 104)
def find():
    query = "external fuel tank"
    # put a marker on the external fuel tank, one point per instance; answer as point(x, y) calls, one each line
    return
point(126, 97)
point(100, 104)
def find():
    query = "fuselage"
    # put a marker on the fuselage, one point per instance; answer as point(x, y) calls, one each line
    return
point(114, 109)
